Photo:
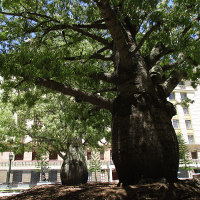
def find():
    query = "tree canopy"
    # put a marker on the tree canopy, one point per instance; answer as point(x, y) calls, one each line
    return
point(70, 46)
point(123, 56)
point(51, 124)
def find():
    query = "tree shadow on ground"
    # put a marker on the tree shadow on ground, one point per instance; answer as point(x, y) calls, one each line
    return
point(105, 191)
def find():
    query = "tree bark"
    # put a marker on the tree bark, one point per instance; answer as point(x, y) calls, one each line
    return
point(144, 143)
point(74, 168)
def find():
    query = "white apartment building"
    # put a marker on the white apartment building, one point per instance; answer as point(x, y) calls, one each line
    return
point(187, 120)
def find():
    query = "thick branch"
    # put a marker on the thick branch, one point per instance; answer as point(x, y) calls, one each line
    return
point(59, 26)
point(50, 142)
point(94, 56)
point(82, 96)
point(24, 15)
point(19, 15)
point(146, 36)
point(169, 67)
point(79, 30)
point(89, 26)
point(173, 80)
point(157, 52)
point(122, 38)
point(107, 77)
point(194, 62)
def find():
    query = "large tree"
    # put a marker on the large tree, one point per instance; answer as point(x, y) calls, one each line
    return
point(123, 56)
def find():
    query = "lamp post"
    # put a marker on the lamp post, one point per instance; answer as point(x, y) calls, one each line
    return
point(9, 170)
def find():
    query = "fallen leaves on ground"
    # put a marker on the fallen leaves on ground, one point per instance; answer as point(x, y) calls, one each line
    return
point(188, 189)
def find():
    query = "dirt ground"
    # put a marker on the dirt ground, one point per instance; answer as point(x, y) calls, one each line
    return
point(105, 191)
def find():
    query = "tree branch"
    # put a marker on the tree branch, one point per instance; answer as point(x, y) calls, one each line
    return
point(19, 15)
point(169, 67)
point(94, 56)
point(122, 38)
point(89, 26)
point(79, 30)
point(107, 77)
point(76, 27)
point(173, 80)
point(158, 51)
point(49, 141)
point(146, 36)
point(23, 14)
point(80, 95)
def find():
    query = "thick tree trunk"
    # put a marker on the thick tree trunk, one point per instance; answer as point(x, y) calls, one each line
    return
point(74, 168)
point(144, 143)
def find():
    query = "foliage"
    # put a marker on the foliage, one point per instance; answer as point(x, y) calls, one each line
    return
point(64, 40)
point(10, 138)
point(184, 153)
point(95, 162)
point(100, 52)
point(53, 121)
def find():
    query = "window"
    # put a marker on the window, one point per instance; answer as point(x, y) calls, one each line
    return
point(172, 96)
point(52, 176)
point(102, 155)
point(115, 175)
point(194, 155)
point(53, 156)
point(35, 177)
point(19, 156)
point(183, 95)
point(181, 83)
point(89, 177)
point(17, 176)
point(34, 155)
point(188, 124)
point(103, 176)
point(186, 110)
point(191, 139)
point(88, 155)
point(175, 123)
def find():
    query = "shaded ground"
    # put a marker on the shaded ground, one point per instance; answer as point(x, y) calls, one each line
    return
point(99, 191)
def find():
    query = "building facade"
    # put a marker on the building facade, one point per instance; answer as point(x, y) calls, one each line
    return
point(24, 168)
point(187, 121)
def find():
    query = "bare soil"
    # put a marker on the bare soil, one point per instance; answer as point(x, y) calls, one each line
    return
point(106, 191)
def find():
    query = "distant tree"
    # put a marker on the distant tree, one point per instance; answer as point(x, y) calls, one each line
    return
point(95, 162)
point(10, 138)
point(42, 164)
point(56, 123)
point(184, 153)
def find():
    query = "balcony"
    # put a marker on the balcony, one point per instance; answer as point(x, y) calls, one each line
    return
point(29, 164)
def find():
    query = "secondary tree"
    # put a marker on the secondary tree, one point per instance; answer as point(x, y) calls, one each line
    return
point(122, 56)
point(57, 124)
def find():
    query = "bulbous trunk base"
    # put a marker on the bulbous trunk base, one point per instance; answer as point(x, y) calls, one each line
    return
point(74, 168)
point(74, 172)
point(144, 145)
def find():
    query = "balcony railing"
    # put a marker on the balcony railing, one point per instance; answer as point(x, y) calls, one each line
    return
point(50, 163)
point(29, 163)
point(104, 162)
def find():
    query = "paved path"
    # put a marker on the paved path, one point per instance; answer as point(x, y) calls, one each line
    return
point(3, 194)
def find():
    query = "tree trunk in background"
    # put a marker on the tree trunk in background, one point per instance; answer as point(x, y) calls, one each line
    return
point(144, 143)
point(74, 168)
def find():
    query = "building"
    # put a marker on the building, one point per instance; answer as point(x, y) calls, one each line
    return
point(187, 122)
point(26, 169)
